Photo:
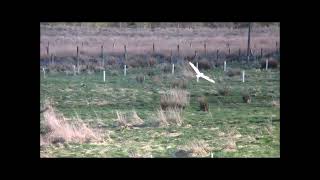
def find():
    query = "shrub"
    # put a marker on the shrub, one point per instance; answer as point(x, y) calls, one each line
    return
point(150, 73)
point(234, 72)
point(152, 61)
point(167, 68)
point(114, 73)
point(246, 98)
point(179, 83)
point(140, 78)
point(170, 116)
point(132, 63)
point(175, 98)
point(203, 103)
point(204, 64)
point(195, 148)
point(224, 90)
point(111, 61)
point(59, 130)
point(156, 79)
point(186, 71)
point(272, 64)
point(128, 120)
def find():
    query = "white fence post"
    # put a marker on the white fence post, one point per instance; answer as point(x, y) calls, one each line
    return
point(267, 64)
point(104, 76)
point(44, 73)
point(74, 70)
point(243, 74)
point(125, 70)
point(225, 66)
point(172, 68)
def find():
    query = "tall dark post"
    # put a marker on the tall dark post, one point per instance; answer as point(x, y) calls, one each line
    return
point(153, 47)
point(48, 49)
point(205, 48)
point(217, 54)
point(77, 57)
point(261, 53)
point(125, 52)
point(248, 49)
point(52, 60)
point(102, 55)
point(178, 49)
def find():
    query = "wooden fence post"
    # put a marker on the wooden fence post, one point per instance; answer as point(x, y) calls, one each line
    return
point(153, 47)
point(48, 49)
point(248, 49)
point(125, 52)
point(52, 59)
point(217, 54)
point(102, 55)
point(78, 58)
point(178, 50)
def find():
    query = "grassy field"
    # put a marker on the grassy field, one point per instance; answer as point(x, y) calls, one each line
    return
point(231, 128)
point(63, 39)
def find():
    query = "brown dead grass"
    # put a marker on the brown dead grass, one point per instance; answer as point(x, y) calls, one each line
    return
point(203, 103)
point(174, 98)
point(128, 120)
point(197, 148)
point(62, 131)
point(171, 116)
point(156, 79)
point(187, 72)
point(179, 83)
point(275, 103)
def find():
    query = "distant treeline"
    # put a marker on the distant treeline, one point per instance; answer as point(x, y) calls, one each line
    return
point(168, 24)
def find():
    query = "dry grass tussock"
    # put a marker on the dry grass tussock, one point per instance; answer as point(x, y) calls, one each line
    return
point(140, 78)
point(129, 119)
point(175, 98)
point(195, 148)
point(179, 83)
point(203, 103)
point(59, 130)
point(275, 103)
point(230, 140)
point(187, 72)
point(156, 79)
point(234, 72)
point(170, 116)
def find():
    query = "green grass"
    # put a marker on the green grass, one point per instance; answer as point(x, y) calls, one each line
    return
point(97, 103)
